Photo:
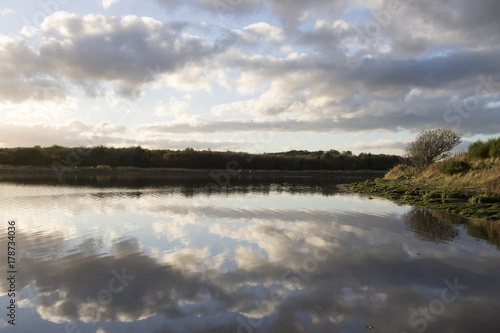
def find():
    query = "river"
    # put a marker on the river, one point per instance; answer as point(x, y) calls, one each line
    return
point(252, 256)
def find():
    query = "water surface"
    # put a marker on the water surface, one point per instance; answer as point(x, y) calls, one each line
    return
point(250, 257)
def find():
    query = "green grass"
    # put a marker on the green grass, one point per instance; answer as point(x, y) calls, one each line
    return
point(466, 202)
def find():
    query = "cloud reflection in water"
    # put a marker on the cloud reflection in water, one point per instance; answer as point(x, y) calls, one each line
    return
point(272, 269)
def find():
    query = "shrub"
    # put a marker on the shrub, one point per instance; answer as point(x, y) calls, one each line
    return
point(494, 150)
point(481, 149)
point(452, 167)
point(478, 149)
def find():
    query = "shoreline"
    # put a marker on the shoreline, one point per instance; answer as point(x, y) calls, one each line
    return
point(31, 171)
point(467, 202)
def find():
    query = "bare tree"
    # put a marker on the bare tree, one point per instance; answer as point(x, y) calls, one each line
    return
point(431, 146)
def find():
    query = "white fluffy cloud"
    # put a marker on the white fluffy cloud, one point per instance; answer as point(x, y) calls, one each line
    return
point(174, 108)
point(265, 31)
point(108, 3)
point(6, 11)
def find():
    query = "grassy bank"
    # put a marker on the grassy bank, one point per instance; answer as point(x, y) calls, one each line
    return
point(465, 186)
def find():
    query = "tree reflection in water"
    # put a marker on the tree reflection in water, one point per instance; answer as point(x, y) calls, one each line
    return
point(428, 227)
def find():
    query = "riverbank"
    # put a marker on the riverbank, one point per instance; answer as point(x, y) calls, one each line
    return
point(472, 192)
point(28, 172)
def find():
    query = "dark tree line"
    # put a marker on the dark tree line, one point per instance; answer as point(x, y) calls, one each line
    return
point(193, 159)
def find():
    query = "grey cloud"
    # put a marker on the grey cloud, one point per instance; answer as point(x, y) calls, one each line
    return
point(412, 117)
point(437, 72)
point(479, 122)
point(433, 27)
point(470, 19)
point(21, 80)
point(220, 7)
point(445, 54)
point(376, 90)
point(292, 12)
point(224, 127)
point(128, 52)
point(326, 38)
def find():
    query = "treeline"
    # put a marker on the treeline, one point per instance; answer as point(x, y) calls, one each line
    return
point(193, 159)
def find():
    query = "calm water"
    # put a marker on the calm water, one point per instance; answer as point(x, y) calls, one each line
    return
point(288, 257)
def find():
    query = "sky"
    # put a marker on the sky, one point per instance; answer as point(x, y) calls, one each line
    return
point(248, 75)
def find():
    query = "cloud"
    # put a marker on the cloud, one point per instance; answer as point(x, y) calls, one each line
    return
point(129, 51)
point(291, 12)
point(316, 66)
point(431, 25)
point(174, 108)
point(86, 51)
point(220, 8)
point(72, 134)
point(31, 84)
point(108, 3)
point(265, 31)
point(196, 77)
point(383, 144)
point(6, 11)
point(76, 133)
point(374, 116)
